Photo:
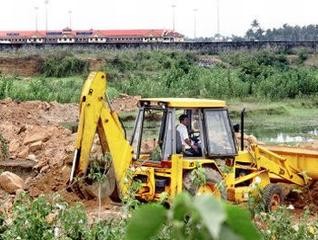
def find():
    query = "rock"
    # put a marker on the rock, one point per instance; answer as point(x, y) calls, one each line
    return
point(68, 159)
point(40, 164)
point(36, 146)
point(44, 106)
point(28, 181)
point(34, 192)
point(32, 157)
point(67, 132)
point(251, 139)
point(35, 137)
point(69, 149)
point(14, 146)
point(7, 205)
point(44, 169)
point(66, 172)
point(10, 182)
point(23, 153)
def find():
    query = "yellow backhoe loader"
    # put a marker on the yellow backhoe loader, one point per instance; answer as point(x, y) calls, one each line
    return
point(155, 158)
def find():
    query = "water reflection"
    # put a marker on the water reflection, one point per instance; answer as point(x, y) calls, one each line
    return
point(288, 136)
point(314, 132)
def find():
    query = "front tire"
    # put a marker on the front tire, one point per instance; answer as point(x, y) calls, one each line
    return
point(272, 197)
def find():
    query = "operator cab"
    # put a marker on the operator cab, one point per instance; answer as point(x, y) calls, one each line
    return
point(155, 136)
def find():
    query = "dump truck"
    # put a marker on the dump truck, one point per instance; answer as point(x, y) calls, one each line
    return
point(154, 156)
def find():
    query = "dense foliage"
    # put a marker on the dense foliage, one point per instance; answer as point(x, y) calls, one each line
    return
point(163, 73)
point(284, 33)
point(260, 74)
point(63, 64)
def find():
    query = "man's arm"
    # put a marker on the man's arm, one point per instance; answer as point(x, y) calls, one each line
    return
point(188, 141)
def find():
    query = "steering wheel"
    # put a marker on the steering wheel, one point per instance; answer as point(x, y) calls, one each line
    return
point(195, 137)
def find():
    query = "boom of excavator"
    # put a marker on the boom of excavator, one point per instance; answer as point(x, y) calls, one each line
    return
point(230, 173)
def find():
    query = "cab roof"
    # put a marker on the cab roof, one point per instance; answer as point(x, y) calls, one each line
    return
point(183, 102)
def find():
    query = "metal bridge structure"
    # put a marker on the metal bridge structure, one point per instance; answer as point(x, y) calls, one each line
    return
point(210, 47)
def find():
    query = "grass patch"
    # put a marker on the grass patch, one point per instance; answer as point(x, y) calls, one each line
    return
point(63, 90)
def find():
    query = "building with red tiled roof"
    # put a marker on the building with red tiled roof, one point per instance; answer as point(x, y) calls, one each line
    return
point(68, 35)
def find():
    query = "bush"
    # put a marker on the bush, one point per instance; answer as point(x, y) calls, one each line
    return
point(302, 55)
point(63, 65)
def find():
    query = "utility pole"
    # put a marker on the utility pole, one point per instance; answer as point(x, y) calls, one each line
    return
point(36, 17)
point(173, 17)
point(70, 18)
point(218, 17)
point(195, 23)
point(46, 2)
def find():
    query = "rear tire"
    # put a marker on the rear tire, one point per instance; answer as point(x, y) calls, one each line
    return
point(214, 184)
point(273, 197)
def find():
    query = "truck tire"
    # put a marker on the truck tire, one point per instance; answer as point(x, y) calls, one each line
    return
point(273, 197)
point(214, 184)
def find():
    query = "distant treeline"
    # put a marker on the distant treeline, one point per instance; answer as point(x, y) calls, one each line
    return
point(284, 33)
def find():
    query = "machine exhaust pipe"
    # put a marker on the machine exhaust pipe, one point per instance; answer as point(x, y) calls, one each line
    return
point(242, 128)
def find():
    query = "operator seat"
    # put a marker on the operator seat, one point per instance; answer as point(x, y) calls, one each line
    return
point(178, 143)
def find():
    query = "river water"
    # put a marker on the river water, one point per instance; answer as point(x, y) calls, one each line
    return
point(287, 136)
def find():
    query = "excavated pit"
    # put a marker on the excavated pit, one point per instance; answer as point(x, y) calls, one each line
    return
point(39, 143)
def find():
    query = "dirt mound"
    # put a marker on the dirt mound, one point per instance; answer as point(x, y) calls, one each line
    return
point(39, 133)
point(21, 66)
point(125, 103)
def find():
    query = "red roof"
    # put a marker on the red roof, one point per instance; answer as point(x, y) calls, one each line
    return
point(18, 34)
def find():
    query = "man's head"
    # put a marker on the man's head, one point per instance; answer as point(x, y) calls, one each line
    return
point(184, 119)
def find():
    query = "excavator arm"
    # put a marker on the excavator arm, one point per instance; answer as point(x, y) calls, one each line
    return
point(97, 117)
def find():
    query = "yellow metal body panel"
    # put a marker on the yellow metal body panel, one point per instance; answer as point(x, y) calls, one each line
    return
point(147, 190)
point(237, 193)
point(276, 164)
point(186, 102)
point(303, 159)
point(176, 175)
point(96, 116)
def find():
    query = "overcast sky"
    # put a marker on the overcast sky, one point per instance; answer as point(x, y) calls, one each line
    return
point(235, 15)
